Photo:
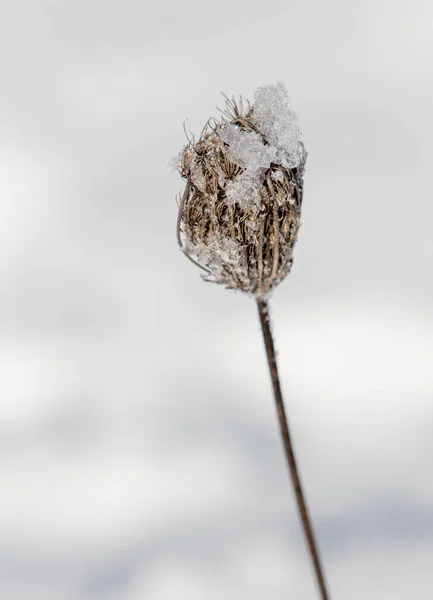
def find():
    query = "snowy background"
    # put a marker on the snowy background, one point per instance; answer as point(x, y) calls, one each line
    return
point(139, 452)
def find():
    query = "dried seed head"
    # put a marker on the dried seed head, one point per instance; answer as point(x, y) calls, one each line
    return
point(240, 212)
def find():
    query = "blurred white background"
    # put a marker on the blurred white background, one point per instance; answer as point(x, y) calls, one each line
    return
point(139, 451)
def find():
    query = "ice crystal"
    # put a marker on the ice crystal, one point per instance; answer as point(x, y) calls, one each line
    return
point(247, 148)
point(274, 118)
point(244, 190)
point(220, 255)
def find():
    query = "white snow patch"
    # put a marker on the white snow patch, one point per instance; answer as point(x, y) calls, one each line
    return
point(278, 123)
point(244, 190)
point(246, 148)
point(220, 255)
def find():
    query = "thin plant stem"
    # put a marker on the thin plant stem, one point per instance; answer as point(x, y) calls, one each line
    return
point(290, 456)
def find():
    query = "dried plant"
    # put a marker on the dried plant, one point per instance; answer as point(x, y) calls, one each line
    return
point(239, 217)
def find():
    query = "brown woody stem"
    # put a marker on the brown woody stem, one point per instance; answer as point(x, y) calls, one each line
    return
point(290, 456)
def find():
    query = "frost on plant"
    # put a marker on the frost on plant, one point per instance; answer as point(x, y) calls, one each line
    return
point(244, 190)
point(279, 124)
point(220, 255)
point(240, 212)
point(246, 148)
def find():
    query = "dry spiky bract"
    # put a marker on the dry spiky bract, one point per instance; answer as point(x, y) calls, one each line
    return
point(240, 212)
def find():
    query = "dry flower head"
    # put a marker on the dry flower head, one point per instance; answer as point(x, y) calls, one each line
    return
point(240, 211)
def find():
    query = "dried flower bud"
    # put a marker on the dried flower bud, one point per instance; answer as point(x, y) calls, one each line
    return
point(240, 212)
